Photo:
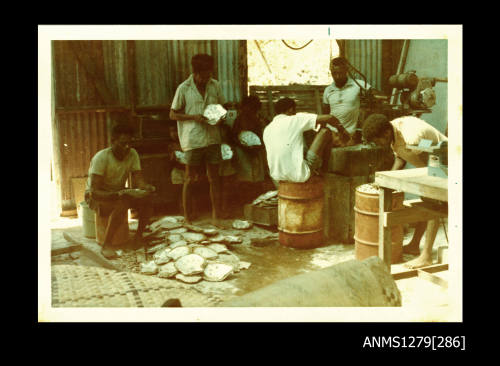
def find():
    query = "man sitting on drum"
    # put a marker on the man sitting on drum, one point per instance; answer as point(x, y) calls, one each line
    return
point(288, 156)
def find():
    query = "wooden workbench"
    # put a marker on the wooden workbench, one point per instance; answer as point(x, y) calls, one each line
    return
point(415, 181)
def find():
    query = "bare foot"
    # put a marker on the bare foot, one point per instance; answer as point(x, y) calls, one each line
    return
point(418, 263)
point(411, 249)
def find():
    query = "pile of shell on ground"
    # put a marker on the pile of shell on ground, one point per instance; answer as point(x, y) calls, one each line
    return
point(190, 253)
point(268, 199)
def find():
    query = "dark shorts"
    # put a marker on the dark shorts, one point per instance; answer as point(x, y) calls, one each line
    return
point(210, 154)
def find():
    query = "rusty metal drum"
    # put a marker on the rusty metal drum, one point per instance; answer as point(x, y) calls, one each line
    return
point(300, 213)
point(366, 221)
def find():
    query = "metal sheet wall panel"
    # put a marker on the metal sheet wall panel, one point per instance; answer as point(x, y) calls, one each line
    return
point(75, 87)
point(82, 135)
point(162, 65)
point(115, 69)
point(366, 56)
point(151, 72)
point(229, 77)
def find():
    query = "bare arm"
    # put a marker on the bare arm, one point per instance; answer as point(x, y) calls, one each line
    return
point(325, 108)
point(97, 192)
point(398, 163)
point(141, 183)
point(178, 116)
point(323, 119)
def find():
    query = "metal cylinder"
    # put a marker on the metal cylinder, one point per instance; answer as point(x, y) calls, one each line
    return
point(406, 80)
point(88, 220)
point(366, 223)
point(352, 284)
point(300, 213)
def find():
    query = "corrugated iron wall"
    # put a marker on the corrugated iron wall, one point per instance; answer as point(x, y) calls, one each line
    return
point(85, 69)
point(162, 65)
point(100, 76)
point(366, 56)
point(228, 71)
point(81, 135)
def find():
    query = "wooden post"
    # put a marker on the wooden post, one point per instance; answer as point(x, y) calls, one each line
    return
point(384, 233)
point(56, 142)
point(270, 103)
point(318, 101)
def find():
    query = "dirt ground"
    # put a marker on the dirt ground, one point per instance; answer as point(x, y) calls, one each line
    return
point(270, 262)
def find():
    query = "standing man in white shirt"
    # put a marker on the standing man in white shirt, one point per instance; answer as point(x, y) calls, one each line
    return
point(287, 155)
point(200, 141)
point(341, 98)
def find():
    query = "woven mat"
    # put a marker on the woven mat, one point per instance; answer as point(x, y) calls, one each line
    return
point(83, 286)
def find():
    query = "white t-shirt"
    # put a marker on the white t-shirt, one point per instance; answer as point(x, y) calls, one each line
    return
point(187, 98)
point(409, 130)
point(344, 102)
point(115, 172)
point(284, 144)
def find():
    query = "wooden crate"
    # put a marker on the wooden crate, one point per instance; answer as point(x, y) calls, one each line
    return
point(340, 194)
point(267, 216)
point(353, 161)
point(308, 97)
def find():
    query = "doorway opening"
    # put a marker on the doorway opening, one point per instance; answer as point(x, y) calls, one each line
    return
point(289, 62)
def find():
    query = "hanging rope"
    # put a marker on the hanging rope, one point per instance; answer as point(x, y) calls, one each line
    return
point(296, 48)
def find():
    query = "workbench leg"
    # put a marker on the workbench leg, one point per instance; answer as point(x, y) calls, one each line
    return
point(384, 233)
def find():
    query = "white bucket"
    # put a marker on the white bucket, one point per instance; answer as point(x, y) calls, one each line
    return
point(88, 220)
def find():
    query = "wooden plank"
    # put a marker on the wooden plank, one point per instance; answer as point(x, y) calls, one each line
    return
point(318, 101)
point(408, 273)
point(432, 278)
point(435, 209)
point(287, 88)
point(65, 248)
point(384, 233)
point(414, 181)
point(407, 216)
point(104, 108)
point(270, 103)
